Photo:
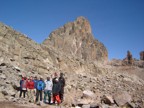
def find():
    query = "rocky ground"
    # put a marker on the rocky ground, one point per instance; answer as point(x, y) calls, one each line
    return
point(110, 87)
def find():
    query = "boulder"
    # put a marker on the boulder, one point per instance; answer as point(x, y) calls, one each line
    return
point(88, 94)
point(122, 97)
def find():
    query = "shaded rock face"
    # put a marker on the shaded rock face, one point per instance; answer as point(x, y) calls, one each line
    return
point(75, 38)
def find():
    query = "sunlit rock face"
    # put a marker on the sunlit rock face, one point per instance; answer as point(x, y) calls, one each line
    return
point(75, 38)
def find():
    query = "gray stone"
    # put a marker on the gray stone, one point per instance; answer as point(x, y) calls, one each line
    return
point(88, 94)
point(86, 106)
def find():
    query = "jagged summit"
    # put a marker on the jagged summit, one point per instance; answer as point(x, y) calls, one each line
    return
point(84, 24)
point(75, 38)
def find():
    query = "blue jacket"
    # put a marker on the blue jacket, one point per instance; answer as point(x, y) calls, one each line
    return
point(40, 85)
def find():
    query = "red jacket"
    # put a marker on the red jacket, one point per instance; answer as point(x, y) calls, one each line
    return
point(30, 84)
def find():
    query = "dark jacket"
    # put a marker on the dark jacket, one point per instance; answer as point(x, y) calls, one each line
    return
point(56, 87)
point(21, 81)
point(62, 81)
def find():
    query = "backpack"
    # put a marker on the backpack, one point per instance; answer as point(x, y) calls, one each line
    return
point(40, 85)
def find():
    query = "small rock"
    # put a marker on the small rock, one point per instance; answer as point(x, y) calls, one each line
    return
point(108, 99)
point(3, 76)
point(94, 105)
point(77, 107)
point(12, 93)
point(4, 93)
point(88, 94)
point(86, 106)
point(104, 106)
point(81, 102)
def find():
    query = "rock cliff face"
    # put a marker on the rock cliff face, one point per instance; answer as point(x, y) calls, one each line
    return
point(75, 38)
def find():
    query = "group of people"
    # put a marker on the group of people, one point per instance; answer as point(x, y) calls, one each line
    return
point(53, 89)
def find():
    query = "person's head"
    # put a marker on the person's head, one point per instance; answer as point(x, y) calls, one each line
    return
point(31, 78)
point(22, 77)
point(25, 78)
point(55, 74)
point(35, 77)
point(28, 79)
point(61, 74)
point(48, 78)
point(41, 78)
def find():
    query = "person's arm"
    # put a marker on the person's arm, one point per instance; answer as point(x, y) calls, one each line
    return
point(63, 82)
point(20, 83)
point(59, 87)
point(44, 85)
point(33, 85)
point(27, 84)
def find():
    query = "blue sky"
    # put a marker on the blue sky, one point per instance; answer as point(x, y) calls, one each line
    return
point(118, 24)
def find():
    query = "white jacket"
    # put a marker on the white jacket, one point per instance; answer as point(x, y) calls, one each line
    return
point(48, 85)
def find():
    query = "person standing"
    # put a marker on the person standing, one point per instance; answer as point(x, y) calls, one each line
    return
point(35, 83)
point(55, 90)
point(62, 83)
point(35, 86)
point(40, 88)
point(30, 86)
point(48, 90)
point(23, 86)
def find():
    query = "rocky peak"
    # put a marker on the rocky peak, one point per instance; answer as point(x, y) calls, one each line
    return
point(75, 38)
point(83, 24)
point(142, 55)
